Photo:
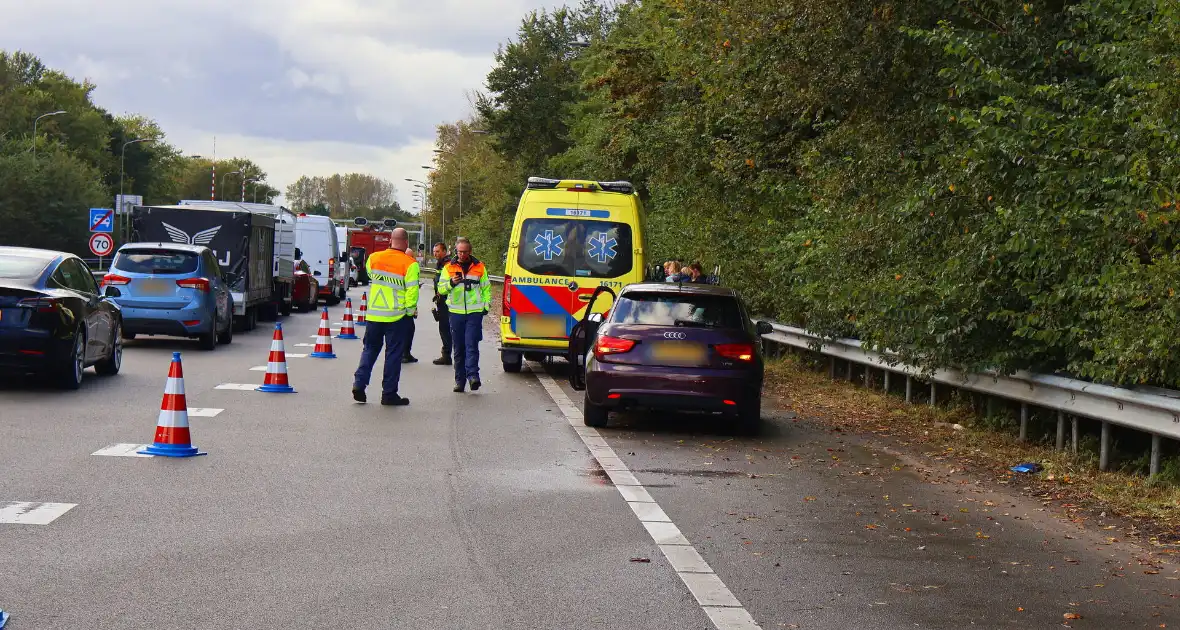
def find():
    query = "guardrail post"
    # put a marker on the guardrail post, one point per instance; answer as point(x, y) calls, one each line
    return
point(832, 368)
point(1023, 422)
point(991, 405)
point(1155, 455)
point(868, 375)
point(909, 388)
point(1104, 447)
point(1061, 430)
point(933, 394)
point(850, 364)
point(1074, 441)
point(886, 387)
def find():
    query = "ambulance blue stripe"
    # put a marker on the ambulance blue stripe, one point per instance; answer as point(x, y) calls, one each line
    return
point(546, 304)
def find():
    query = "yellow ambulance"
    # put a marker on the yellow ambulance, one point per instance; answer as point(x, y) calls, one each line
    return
point(569, 238)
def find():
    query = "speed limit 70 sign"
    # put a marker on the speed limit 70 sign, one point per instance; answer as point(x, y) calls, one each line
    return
point(101, 244)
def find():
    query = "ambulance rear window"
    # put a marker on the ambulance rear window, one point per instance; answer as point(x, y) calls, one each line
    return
point(575, 248)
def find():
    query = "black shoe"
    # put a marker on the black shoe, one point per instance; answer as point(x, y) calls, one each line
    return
point(359, 395)
point(442, 361)
point(459, 388)
point(475, 384)
point(409, 359)
point(395, 401)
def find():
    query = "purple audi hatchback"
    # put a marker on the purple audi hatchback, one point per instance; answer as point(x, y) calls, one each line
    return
point(683, 347)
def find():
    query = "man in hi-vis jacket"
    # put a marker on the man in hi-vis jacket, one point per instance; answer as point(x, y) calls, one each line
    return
point(464, 280)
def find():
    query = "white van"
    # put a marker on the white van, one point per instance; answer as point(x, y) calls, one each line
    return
point(315, 238)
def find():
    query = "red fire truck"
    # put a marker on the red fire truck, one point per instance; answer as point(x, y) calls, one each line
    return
point(363, 241)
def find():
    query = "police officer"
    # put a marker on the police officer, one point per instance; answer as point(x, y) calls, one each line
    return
point(441, 314)
point(393, 298)
point(411, 323)
point(469, 296)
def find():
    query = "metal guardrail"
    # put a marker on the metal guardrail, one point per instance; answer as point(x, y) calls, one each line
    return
point(1155, 414)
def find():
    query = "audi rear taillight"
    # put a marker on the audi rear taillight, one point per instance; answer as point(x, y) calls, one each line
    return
point(200, 284)
point(115, 280)
point(736, 351)
point(41, 304)
point(506, 296)
point(607, 345)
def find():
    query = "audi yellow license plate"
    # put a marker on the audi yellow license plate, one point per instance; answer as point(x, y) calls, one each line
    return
point(540, 326)
point(678, 353)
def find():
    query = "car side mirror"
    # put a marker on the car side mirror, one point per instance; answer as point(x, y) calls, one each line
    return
point(112, 292)
point(595, 317)
point(764, 328)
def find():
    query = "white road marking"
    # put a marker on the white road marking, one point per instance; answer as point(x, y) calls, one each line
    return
point(203, 412)
point(243, 387)
point(297, 356)
point(30, 513)
point(305, 345)
point(715, 599)
point(258, 368)
point(122, 450)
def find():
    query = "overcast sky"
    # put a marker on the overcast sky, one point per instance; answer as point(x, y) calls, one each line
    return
point(300, 86)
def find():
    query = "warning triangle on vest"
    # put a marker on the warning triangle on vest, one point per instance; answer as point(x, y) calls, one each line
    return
point(380, 302)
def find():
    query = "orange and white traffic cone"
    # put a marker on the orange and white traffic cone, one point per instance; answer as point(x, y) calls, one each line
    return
point(323, 341)
point(172, 434)
point(276, 367)
point(347, 331)
point(360, 318)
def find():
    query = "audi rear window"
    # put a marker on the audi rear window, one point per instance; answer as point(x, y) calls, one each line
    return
point(669, 309)
point(21, 267)
point(159, 262)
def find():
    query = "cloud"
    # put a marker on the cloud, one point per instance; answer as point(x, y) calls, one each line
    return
point(307, 84)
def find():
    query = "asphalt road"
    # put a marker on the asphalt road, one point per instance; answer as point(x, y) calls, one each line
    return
point(497, 509)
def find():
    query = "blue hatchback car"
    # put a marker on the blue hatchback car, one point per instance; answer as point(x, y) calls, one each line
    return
point(172, 289)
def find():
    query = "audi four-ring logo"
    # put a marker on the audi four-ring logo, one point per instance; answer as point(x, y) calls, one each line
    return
point(675, 335)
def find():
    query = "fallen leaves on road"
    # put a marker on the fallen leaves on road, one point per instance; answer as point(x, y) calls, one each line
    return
point(1072, 616)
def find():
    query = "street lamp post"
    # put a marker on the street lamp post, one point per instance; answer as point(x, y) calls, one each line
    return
point(247, 181)
point(426, 197)
point(244, 182)
point(119, 210)
point(37, 120)
point(226, 175)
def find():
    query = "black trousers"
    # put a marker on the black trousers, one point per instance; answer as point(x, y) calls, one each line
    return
point(410, 328)
point(444, 329)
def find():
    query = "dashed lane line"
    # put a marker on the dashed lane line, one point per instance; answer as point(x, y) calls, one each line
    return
point(718, 602)
point(32, 513)
point(242, 387)
point(122, 450)
point(203, 412)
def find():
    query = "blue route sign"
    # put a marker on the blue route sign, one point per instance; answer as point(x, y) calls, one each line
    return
point(102, 220)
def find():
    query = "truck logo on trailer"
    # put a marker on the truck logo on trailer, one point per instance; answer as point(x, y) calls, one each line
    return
point(204, 237)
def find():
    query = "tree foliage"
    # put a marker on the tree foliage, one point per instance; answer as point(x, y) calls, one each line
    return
point(82, 158)
point(346, 196)
point(969, 183)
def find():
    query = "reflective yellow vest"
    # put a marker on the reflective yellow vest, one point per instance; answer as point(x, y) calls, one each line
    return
point(393, 279)
point(473, 294)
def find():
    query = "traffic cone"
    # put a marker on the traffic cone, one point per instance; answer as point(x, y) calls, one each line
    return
point(276, 367)
point(347, 331)
point(323, 342)
point(360, 318)
point(172, 434)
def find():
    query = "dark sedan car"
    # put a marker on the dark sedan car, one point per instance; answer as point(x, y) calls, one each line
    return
point(676, 347)
point(53, 321)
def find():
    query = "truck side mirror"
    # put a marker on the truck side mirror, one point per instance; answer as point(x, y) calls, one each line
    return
point(298, 253)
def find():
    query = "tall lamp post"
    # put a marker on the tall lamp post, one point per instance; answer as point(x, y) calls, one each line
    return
point(426, 196)
point(120, 209)
point(226, 175)
point(459, 161)
point(37, 120)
